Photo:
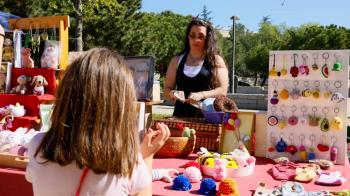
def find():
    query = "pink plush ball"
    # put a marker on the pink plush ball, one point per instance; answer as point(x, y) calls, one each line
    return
point(193, 173)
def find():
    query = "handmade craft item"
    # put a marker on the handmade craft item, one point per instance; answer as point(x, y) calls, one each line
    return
point(337, 66)
point(282, 122)
point(325, 122)
point(294, 71)
point(274, 100)
point(327, 93)
point(207, 187)
point(315, 57)
point(302, 148)
point(311, 154)
point(333, 150)
point(228, 186)
point(303, 68)
point(295, 94)
point(272, 120)
point(193, 173)
point(284, 70)
point(307, 92)
point(181, 183)
point(324, 70)
point(313, 119)
point(293, 120)
point(337, 97)
point(316, 93)
point(323, 147)
point(336, 122)
point(281, 145)
point(291, 148)
point(273, 71)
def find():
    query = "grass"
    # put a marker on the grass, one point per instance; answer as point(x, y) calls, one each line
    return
point(159, 116)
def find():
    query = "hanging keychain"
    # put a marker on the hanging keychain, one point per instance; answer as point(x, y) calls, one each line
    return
point(337, 66)
point(333, 150)
point(324, 70)
point(302, 149)
point(53, 33)
point(36, 40)
point(272, 120)
point(307, 92)
point(272, 148)
point(284, 93)
point(313, 119)
point(293, 120)
point(303, 68)
point(315, 57)
point(281, 145)
point(327, 93)
point(337, 97)
point(323, 147)
point(45, 35)
point(295, 92)
point(274, 100)
point(325, 122)
point(336, 122)
point(316, 93)
point(311, 155)
point(28, 38)
point(282, 123)
point(291, 148)
point(303, 119)
point(294, 70)
point(283, 71)
point(273, 71)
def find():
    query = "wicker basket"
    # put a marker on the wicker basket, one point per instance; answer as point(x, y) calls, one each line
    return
point(177, 147)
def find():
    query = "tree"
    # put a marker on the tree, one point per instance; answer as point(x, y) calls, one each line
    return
point(205, 14)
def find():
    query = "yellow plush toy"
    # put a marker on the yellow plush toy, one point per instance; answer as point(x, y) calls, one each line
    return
point(7, 50)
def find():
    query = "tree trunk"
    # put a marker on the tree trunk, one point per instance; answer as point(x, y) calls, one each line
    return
point(264, 80)
point(256, 78)
point(79, 28)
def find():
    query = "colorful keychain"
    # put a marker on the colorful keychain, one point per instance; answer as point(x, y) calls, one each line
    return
point(283, 71)
point(284, 93)
point(295, 92)
point(315, 57)
point(281, 145)
point(303, 68)
point(327, 93)
point(303, 119)
point(273, 71)
point(325, 122)
point(45, 35)
point(324, 69)
point(274, 99)
point(337, 97)
point(316, 93)
point(323, 147)
point(294, 70)
point(36, 40)
point(293, 120)
point(336, 122)
point(272, 148)
point(333, 150)
point(313, 119)
point(272, 120)
point(282, 123)
point(311, 155)
point(337, 66)
point(302, 149)
point(291, 148)
point(307, 92)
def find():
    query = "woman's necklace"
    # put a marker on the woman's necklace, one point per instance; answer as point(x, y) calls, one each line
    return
point(195, 61)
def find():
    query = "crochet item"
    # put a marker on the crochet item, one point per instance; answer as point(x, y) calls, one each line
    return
point(192, 164)
point(293, 189)
point(225, 104)
point(193, 173)
point(163, 174)
point(334, 178)
point(284, 172)
point(181, 183)
point(208, 187)
point(228, 187)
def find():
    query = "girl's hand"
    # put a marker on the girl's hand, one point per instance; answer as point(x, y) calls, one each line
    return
point(154, 140)
point(195, 97)
point(178, 95)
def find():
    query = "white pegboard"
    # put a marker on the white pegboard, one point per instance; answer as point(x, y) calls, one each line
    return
point(337, 81)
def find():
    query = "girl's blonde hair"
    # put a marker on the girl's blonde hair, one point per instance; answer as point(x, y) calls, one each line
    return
point(94, 122)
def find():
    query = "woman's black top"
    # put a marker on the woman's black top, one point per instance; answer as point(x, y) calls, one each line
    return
point(201, 82)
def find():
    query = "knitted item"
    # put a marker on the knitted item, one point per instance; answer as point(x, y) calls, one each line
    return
point(192, 164)
point(163, 174)
point(334, 178)
point(181, 183)
point(193, 173)
point(284, 172)
point(228, 187)
point(208, 187)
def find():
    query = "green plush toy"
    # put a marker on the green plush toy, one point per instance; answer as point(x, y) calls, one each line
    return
point(187, 132)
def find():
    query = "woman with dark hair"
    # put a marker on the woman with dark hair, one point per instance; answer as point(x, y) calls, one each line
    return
point(198, 72)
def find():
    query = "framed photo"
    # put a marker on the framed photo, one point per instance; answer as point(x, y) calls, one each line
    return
point(5, 77)
point(143, 71)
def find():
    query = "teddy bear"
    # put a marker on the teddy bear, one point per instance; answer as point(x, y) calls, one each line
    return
point(21, 88)
point(27, 61)
point(39, 82)
point(49, 58)
point(7, 50)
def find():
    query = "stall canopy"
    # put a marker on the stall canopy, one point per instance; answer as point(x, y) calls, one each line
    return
point(4, 17)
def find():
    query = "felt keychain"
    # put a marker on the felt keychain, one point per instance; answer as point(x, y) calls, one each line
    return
point(336, 122)
point(282, 121)
point(303, 68)
point(333, 150)
point(302, 149)
point(295, 94)
point(281, 145)
point(323, 147)
point(327, 93)
point(311, 155)
point(325, 122)
point(313, 119)
point(337, 66)
point(324, 69)
point(293, 120)
point(337, 97)
point(315, 57)
point(36, 40)
point(283, 71)
point(274, 100)
point(294, 71)
point(273, 71)
point(272, 120)
point(307, 92)
point(284, 93)
point(291, 148)
point(316, 93)
point(45, 35)
point(303, 119)
point(272, 148)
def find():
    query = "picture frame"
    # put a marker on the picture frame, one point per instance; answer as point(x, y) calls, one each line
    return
point(142, 68)
point(5, 77)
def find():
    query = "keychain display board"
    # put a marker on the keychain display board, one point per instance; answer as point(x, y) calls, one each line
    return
point(307, 105)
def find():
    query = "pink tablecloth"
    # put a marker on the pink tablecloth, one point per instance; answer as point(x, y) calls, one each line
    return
point(246, 185)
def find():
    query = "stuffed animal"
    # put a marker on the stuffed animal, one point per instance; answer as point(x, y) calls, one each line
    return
point(16, 110)
point(193, 173)
point(49, 59)
point(21, 88)
point(27, 61)
point(40, 82)
point(7, 50)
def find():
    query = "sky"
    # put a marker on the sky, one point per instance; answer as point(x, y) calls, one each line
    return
point(288, 12)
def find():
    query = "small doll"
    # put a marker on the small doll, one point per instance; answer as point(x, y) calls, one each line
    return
point(21, 88)
point(27, 61)
point(39, 82)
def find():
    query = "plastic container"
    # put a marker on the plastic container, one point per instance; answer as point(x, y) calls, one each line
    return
point(213, 117)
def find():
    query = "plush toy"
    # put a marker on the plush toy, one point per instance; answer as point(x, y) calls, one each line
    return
point(193, 173)
point(187, 132)
point(181, 183)
point(16, 110)
point(27, 61)
point(208, 187)
point(21, 88)
point(49, 58)
point(163, 174)
point(7, 50)
point(39, 82)
point(228, 186)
